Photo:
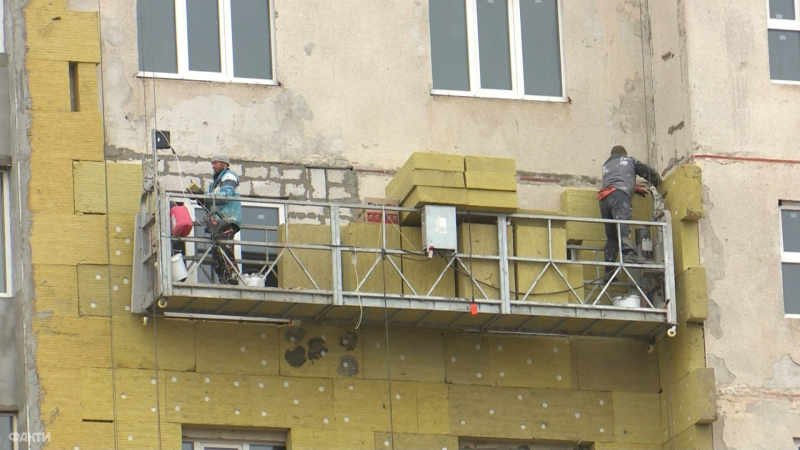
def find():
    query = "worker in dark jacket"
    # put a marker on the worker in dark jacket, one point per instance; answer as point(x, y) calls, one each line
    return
point(619, 184)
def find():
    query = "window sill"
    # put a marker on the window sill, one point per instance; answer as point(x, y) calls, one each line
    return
point(173, 76)
point(510, 96)
point(790, 82)
point(791, 316)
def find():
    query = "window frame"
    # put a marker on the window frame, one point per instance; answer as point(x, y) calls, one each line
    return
point(226, 74)
point(784, 25)
point(517, 91)
point(191, 247)
point(6, 199)
point(787, 257)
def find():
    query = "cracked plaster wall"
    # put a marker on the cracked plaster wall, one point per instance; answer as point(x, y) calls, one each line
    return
point(737, 111)
point(356, 93)
point(749, 342)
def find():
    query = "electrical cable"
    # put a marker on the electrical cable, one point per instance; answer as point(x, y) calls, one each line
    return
point(388, 353)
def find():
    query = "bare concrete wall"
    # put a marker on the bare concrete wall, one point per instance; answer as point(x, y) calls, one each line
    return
point(356, 92)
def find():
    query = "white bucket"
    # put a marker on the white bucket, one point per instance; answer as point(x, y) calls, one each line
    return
point(179, 272)
point(252, 280)
point(627, 301)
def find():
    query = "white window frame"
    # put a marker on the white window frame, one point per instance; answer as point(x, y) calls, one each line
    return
point(7, 234)
point(517, 91)
point(786, 25)
point(191, 247)
point(225, 52)
point(787, 257)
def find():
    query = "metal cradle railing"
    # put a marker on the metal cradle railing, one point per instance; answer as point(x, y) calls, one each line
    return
point(587, 299)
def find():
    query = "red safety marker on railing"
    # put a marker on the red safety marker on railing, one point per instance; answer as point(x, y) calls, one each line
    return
point(473, 309)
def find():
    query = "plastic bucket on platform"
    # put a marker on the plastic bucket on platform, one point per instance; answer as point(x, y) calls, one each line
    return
point(627, 301)
point(252, 280)
point(179, 272)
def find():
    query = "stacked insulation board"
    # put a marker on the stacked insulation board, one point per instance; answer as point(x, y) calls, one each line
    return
point(474, 183)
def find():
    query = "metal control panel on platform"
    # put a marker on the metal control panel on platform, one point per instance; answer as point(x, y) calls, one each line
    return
point(439, 228)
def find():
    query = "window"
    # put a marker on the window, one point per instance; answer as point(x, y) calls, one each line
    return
point(195, 439)
point(5, 237)
point(497, 48)
point(7, 429)
point(259, 224)
point(211, 40)
point(784, 41)
point(790, 257)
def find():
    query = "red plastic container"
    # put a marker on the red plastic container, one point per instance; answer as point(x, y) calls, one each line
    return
point(181, 221)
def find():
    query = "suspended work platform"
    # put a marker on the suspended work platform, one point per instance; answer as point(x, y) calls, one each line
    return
point(326, 262)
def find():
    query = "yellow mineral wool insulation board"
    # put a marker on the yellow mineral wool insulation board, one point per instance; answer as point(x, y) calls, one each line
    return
point(370, 235)
point(694, 400)
point(320, 352)
point(683, 193)
point(317, 262)
point(64, 137)
point(56, 289)
point(495, 181)
point(96, 436)
point(621, 446)
point(491, 412)
point(187, 392)
point(364, 405)
point(466, 359)
point(48, 195)
point(583, 203)
point(48, 84)
point(431, 161)
point(433, 416)
point(96, 394)
point(692, 295)
point(531, 239)
point(698, 437)
point(531, 362)
point(401, 185)
point(575, 274)
point(492, 201)
point(236, 348)
point(615, 364)
point(124, 188)
point(430, 195)
point(637, 418)
point(490, 164)
point(330, 439)
point(415, 355)
point(133, 344)
point(572, 415)
point(682, 354)
point(145, 435)
point(422, 274)
point(93, 290)
point(137, 391)
point(686, 245)
point(285, 402)
point(48, 245)
point(72, 38)
point(483, 238)
point(95, 342)
point(405, 441)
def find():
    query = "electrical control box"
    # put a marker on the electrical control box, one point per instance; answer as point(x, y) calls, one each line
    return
point(439, 228)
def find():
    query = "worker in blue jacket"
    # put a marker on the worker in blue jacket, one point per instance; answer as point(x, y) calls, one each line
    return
point(224, 218)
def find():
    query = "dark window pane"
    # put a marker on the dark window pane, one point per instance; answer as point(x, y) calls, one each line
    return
point(493, 46)
point(3, 225)
point(6, 429)
point(784, 55)
point(250, 28)
point(791, 288)
point(790, 224)
point(267, 447)
point(781, 9)
point(449, 60)
point(261, 216)
point(187, 446)
point(541, 49)
point(156, 27)
point(202, 21)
